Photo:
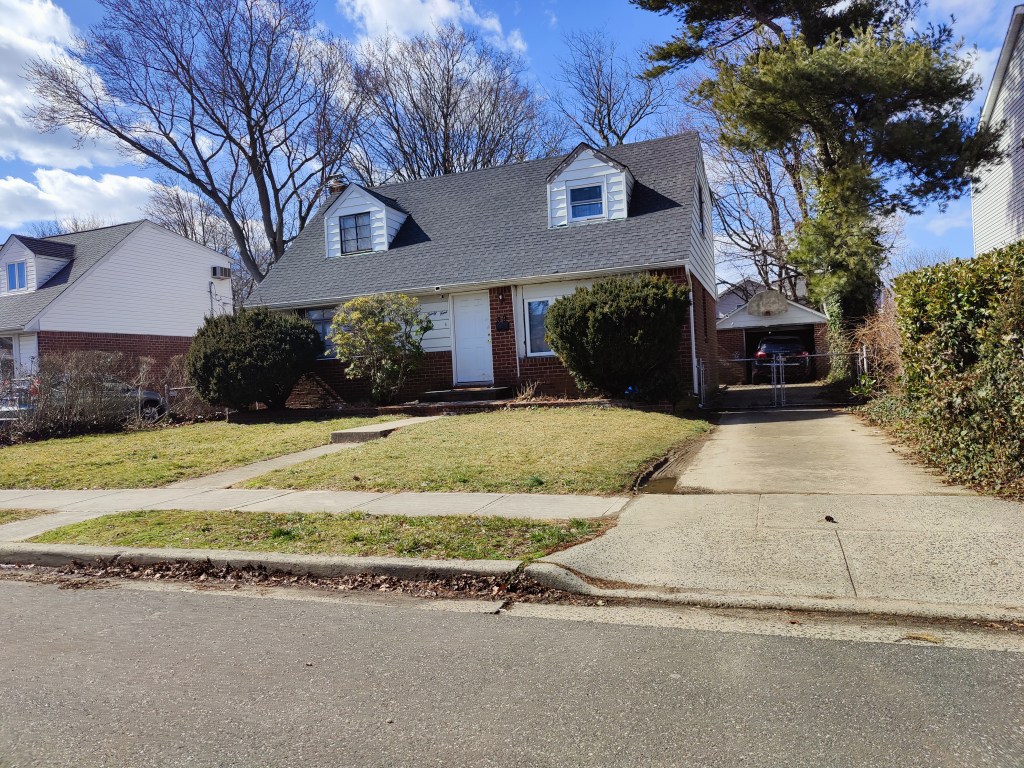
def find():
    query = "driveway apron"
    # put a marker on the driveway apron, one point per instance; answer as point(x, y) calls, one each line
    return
point(815, 504)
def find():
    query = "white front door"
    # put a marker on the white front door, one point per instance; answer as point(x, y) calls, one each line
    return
point(471, 313)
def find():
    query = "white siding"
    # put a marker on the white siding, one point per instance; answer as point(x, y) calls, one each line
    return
point(437, 308)
point(618, 185)
point(47, 268)
point(26, 353)
point(14, 251)
point(997, 203)
point(384, 221)
point(153, 282)
point(702, 244)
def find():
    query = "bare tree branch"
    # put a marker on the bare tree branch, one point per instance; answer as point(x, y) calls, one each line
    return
point(248, 102)
point(605, 97)
point(445, 102)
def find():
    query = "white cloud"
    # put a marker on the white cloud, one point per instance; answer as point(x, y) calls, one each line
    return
point(552, 19)
point(957, 216)
point(36, 28)
point(409, 17)
point(57, 194)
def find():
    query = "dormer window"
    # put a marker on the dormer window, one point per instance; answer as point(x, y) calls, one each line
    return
point(355, 233)
point(16, 276)
point(586, 202)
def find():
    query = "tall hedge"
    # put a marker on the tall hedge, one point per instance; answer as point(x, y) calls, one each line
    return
point(621, 336)
point(254, 356)
point(943, 312)
point(962, 333)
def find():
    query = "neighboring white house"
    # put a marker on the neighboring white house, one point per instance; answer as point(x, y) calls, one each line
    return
point(488, 251)
point(134, 288)
point(997, 202)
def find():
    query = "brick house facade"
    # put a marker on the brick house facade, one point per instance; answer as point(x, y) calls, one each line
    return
point(486, 267)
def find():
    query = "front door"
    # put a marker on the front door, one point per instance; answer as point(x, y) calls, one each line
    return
point(471, 315)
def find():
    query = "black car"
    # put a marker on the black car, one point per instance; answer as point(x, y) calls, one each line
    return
point(788, 351)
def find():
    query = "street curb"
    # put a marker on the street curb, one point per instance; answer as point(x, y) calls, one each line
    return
point(556, 577)
point(319, 566)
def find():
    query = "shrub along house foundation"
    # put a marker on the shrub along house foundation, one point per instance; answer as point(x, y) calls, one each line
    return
point(486, 253)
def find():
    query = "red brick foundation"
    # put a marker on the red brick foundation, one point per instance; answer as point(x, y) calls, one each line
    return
point(732, 344)
point(327, 385)
point(161, 349)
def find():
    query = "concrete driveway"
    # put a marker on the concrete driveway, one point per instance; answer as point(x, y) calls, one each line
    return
point(751, 517)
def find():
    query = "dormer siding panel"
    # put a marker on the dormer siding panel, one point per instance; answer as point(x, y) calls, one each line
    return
point(384, 221)
point(14, 252)
point(587, 168)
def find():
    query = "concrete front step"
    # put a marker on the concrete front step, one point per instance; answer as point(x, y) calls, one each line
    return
point(466, 394)
point(376, 431)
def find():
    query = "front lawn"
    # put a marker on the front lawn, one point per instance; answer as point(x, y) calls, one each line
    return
point(14, 515)
point(155, 457)
point(355, 533)
point(544, 450)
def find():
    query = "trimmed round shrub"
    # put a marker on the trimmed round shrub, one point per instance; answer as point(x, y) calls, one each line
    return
point(255, 356)
point(621, 336)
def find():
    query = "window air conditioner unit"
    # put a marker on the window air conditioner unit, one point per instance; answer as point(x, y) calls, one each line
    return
point(221, 273)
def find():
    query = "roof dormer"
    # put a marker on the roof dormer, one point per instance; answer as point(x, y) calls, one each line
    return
point(588, 186)
point(27, 263)
point(360, 221)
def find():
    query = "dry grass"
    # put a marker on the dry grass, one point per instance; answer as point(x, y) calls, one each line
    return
point(14, 515)
point(154, 457)
point(564, 450)
point(355, 533)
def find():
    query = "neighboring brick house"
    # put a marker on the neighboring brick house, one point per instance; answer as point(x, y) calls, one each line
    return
point(135, 288)
point(997, 201)
point(486, 253)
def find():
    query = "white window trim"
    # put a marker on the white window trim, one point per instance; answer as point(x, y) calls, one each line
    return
point(526, 322)
point(602, 183)
point(7, 275)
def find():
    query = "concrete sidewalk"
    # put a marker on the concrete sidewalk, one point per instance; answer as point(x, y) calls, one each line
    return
point(760, 527)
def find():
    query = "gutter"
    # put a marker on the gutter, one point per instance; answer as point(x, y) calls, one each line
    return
point(456, 287)
point(1009, 43)
point(693, 332)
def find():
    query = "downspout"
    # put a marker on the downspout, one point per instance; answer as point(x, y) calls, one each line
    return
point(693, 332)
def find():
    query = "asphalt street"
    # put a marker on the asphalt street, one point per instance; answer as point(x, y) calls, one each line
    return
point(161, 676)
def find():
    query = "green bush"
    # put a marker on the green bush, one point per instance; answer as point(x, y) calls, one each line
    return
point(943, 311)
point(621, 336)
point(381, 337)
point(255, 356)
point(962, 401)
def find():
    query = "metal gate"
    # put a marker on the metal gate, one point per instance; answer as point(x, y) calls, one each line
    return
point(781, 380)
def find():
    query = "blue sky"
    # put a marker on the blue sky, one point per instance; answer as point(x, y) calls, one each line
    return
point(46, 176)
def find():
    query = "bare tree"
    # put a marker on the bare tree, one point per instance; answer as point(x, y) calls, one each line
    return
point(760, 198)
point(63, 225)
point(604, 96)
point(444, 102)
point(249, 102)
point(191, 215)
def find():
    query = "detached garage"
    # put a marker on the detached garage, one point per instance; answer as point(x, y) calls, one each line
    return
point(768, 313)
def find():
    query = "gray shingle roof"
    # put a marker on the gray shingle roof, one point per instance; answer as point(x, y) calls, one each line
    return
point(491, 225)
point(86, 248)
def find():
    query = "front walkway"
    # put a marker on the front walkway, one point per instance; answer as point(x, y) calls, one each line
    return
point(813, 504)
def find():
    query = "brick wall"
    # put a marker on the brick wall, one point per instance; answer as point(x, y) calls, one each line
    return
point(732, 344)
point(705, 313)
point(327, 384)
point(503, 343)
point(133, 346)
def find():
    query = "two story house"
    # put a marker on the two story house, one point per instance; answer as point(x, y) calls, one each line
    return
point(487, 252)
point(136, 289)
point(997, 202)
